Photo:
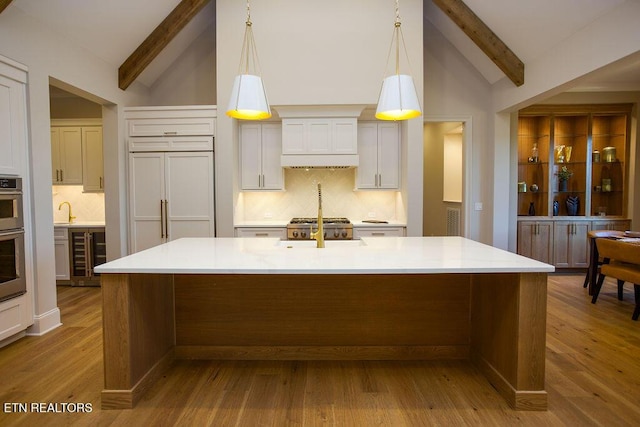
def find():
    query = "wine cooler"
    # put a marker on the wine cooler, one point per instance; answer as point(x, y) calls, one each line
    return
point(87, 249)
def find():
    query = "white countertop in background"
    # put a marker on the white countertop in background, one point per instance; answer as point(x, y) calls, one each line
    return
point(371, 255)
point(79, 224)
point(284, 222)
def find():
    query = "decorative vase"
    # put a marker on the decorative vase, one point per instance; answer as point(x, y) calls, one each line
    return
point(556, 208)
point(532, 209)
point(573, 205)
point(563, 185)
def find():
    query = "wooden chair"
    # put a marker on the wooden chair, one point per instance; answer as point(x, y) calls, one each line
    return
point(595, 260)
point(622, 262)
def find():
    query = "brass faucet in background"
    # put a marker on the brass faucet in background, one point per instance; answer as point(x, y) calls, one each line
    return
point(71, 217)
point(319, 234)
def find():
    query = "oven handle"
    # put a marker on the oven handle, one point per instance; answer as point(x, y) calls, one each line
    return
point(12, 232)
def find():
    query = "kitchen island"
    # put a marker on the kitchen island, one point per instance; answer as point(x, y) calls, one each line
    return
point(380, 298)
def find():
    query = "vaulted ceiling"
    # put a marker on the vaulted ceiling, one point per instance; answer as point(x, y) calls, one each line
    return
point(113, 29)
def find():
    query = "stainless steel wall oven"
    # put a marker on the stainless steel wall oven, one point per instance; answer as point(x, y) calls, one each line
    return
point(12, 267)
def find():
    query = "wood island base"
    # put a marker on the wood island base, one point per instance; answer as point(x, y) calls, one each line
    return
point(496, 320)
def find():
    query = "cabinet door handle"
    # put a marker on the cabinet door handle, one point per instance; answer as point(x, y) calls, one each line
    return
point(100, 182)
point(171, 133)
point(161, 219)
point(166, 218)
point(259, 183)
point(61, 175)
point(380, 233)
point(262, 234)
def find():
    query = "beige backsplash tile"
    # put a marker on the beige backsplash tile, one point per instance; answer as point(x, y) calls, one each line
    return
point(301, 198)
point(85, 206)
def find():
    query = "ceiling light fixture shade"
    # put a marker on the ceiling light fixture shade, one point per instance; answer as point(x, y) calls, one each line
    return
point(248, 99)
point(398, 97)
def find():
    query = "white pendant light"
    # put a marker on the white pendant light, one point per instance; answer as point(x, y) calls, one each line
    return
point(248, 98)
point(398, 97)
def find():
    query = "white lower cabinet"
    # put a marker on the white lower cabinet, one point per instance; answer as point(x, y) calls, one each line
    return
point(279, 232)
point(378, 231)
point(61, 245)
point(170, 196)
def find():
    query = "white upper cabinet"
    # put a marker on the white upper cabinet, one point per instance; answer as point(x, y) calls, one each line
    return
point(379, 151)
point(171, 121)
point(92, 163)
point(66, 155)
point(12, 119)
point(260, 148)
point(319, 136)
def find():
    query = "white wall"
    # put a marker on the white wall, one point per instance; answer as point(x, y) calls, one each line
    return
point(453, 87)
point(304, 64)
point(48, 54)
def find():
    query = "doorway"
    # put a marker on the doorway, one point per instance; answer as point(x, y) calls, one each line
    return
point(77, 186)
point(445, 149)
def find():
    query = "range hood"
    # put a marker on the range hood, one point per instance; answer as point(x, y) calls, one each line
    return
point(319, 161)
point(323, 136)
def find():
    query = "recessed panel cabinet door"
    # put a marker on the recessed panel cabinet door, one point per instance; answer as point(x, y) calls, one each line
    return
point(92, 163)
point(272, 173)
point(388, 156)
point(146, 197)
point(367, 176)
point(189, 195)
point(250, 157)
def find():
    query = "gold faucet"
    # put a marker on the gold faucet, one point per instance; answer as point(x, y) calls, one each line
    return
point(71, 217)
point(319, 234)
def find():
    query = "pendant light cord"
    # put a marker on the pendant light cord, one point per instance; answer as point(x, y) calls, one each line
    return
point(398, 37)
point(249, 52)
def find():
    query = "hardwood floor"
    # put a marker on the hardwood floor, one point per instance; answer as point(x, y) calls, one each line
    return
point(593, 378)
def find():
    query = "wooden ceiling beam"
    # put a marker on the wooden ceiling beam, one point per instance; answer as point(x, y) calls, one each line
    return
point(484, 38)
point(4, 4)
point(158, 40)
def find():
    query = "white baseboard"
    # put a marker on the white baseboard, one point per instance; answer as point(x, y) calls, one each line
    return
point(45, 322)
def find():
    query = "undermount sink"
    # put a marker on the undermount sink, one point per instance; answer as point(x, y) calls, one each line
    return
point(327, 243)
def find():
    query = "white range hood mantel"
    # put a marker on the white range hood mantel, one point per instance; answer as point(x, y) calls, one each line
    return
point(319, 135)
point(318, 111)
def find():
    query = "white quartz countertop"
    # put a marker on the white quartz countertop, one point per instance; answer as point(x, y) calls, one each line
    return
point(79, 224)
point(370, 255)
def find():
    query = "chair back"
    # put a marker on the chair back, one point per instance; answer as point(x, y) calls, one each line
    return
point(619, 251)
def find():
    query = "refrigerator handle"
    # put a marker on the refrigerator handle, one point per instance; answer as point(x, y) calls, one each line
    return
point(166, 219)
point(161, 219)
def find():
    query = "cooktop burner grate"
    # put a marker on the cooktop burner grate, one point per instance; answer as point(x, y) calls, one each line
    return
point(315, 221)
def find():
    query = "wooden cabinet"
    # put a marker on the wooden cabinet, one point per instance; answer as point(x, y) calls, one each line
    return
point(319, 136)
point(580, 139)
point(570, 247)
point(66, 155)
point(92, 160)
point(61, 250)
point(378, 231)
point(591, 143)
point(617, 225)
point(379, 152)
point(260, 149)
point(535, 240)
point(279, 232)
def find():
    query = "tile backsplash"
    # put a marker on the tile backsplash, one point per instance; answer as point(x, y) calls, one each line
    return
point(301, 199)
point(85, 206)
